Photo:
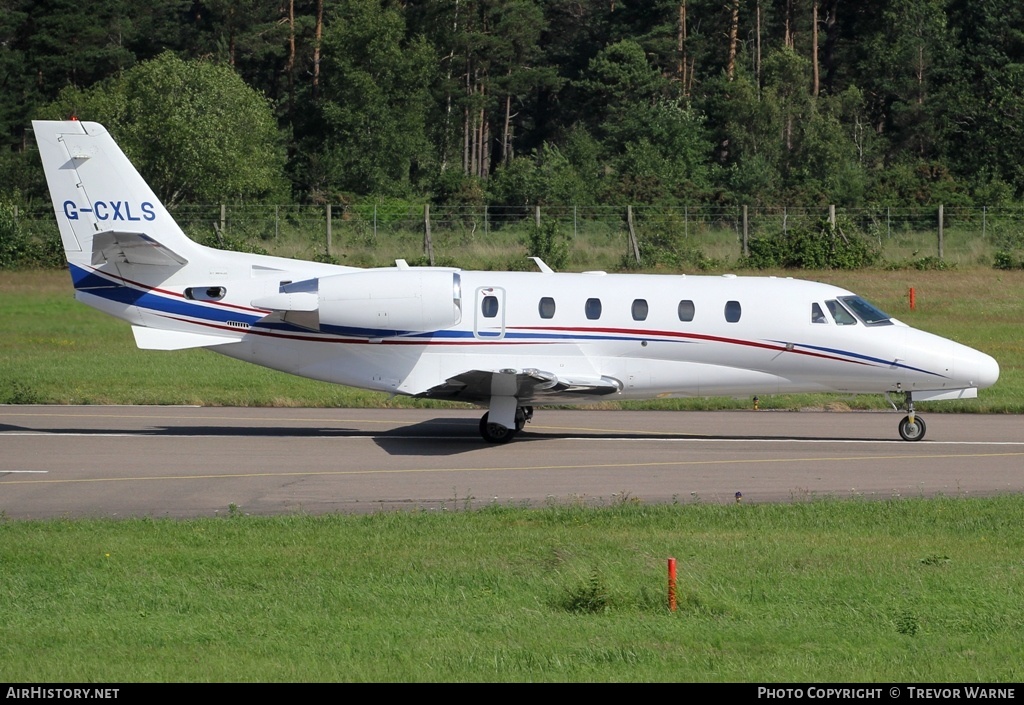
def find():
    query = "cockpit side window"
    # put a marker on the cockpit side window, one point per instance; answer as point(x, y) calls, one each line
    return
point(817, 315)
point(842, 316)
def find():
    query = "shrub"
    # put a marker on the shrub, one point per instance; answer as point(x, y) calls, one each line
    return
point(822, 245)
point(21, 248)
point(548, 243)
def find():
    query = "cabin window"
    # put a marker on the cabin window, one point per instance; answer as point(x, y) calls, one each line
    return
point(685, 311)
point(546, 307)
point(489, 306)
point(842, 316)
point(640, 309)
point(732, 311)
point(593, 309)
point(205, 293)
point(817, 315)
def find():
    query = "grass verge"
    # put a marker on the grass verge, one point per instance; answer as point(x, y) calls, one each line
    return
point(903, 590)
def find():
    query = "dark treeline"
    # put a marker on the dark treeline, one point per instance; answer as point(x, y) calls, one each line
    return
point(534, 102)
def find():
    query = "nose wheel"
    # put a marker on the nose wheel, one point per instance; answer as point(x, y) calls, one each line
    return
point(912, 427)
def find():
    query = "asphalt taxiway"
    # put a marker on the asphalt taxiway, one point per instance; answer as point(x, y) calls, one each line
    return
point(119, 461)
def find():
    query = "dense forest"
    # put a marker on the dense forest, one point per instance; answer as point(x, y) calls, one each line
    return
point(531, 102)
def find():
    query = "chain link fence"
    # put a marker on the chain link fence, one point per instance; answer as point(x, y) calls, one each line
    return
point(600, 236)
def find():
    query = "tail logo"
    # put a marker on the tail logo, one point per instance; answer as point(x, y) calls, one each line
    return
point(112, 210)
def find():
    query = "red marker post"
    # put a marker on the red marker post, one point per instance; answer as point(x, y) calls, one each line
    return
point(672, 584)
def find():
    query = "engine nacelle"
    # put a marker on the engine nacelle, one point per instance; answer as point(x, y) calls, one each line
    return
point(391, 299)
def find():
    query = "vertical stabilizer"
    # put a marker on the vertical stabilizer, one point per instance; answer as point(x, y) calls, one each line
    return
point(106, 212)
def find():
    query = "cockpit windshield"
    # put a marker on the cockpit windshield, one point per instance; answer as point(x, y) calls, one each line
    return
point(867, 312)
point(840, 314)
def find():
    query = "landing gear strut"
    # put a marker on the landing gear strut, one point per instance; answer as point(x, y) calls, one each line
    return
point(912, 427)
point(496, 433)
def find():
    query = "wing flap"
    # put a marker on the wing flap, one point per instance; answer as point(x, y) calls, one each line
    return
point(527, 385)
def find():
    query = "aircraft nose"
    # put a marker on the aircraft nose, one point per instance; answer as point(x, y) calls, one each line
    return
point(980, 370)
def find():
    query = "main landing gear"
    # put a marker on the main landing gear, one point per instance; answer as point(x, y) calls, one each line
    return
point(496, 433)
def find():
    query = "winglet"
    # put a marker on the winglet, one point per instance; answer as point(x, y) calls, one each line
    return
point(542, 266)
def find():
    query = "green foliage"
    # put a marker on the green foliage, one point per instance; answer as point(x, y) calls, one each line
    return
point(16, 392)
point(1005, 259)
point(545, 178)
point(388, 99)
point(194, 129)
point(20, 248)
point(231, 241)
point(922, 264)
point(907, 623)
point(368, 129)
point(618, 79)
point(666, 247)
point(1008, 239)
point(453, 188)
point(821, 245)
point(547, 242)
point(664, 158)
point(591, 597)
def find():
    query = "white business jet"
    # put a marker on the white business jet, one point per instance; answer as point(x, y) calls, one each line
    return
point(502, 340)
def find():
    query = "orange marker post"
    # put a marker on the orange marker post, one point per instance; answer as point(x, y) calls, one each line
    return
point(913, 301)
point(672, 584)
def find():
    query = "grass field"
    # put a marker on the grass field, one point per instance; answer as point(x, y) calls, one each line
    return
point(909, 590)
point(54, 350)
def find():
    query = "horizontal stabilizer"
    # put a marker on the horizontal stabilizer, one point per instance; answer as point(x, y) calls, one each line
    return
point(160, 339)
point(134, 248)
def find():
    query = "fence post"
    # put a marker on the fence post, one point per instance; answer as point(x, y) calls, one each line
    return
point(428, 245)
point(223, 216)
point(329, 234)
point(832, 216)
point(940, 231)
point(632, 234)
point(746, 232)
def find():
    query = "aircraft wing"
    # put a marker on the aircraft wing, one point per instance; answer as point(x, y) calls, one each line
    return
point(527, 385)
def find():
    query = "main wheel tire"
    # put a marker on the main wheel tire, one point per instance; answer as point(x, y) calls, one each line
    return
point(912, 431)
point(521, 419)
point(493, 432)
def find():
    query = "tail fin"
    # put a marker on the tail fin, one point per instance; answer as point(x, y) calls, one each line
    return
point(106, 212)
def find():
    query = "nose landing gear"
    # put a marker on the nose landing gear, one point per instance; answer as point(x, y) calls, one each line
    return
point(912, 427)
